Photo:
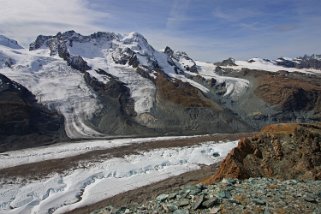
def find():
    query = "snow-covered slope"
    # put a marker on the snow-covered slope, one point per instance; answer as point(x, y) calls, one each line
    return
point(274, 65)
point(10, 43)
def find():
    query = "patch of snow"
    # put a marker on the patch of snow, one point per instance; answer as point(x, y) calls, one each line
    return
point(84, 186)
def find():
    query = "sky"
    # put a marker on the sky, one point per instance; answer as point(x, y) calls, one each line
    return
point(209, 30)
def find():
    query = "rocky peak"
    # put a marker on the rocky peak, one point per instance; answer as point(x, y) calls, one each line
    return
point(227, 62)
point(169, 51)
point(10, 43)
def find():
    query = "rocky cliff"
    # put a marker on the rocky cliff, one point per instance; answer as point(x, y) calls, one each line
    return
point(282, 151)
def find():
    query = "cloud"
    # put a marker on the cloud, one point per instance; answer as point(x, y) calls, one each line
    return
point(24, 20)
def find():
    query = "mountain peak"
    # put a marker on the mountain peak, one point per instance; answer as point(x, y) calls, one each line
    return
point(10, 43)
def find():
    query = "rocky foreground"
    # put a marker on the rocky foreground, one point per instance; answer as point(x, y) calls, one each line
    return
point(254, 195)
point(276, 171)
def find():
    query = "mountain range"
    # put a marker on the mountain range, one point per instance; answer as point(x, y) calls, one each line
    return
point(107, 85)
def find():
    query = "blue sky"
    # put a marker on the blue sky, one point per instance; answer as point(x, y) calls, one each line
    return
point(208, 30)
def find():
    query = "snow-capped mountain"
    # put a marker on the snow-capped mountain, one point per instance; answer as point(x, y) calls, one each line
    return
point(108, 84)
point(10, 43)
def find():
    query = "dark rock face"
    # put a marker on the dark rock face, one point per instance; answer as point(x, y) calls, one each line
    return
point(78, 63)
point(117, 115)
point(24, 122)
point(313, 61)
point(226, 62)
point(283, 151)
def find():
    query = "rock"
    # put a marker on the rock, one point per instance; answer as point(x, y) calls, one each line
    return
point(77, 62)
point(216, 154)
point(228, 181)
point(291, 146)
point(198, 202)
point(172, 196)
point(214, 210)
point(258, 201)
point(195, 190)
point(310, 198)
point(224, 194)
point(210, 202)
point(161, 197)
point(183, 202)
point(181, 212)
point(171, 207)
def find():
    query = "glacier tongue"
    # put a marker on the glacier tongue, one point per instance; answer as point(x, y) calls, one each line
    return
point(57, 86)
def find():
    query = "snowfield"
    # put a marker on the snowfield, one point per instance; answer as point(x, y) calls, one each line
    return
point(99, 180)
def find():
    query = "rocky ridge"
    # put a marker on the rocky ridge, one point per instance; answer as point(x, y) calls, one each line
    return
point(254, 195)
point(283, 151)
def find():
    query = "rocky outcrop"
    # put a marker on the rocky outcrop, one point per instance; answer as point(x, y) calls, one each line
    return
point(24, 122)
point(226, 62)
point(283, 151)
point(313, 61)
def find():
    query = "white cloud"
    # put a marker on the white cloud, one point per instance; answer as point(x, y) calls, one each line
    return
point(25, 19)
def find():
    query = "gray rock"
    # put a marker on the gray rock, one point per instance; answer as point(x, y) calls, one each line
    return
point(172, 207)
point(161, 197)
point(198, 202)
point(183, 202)
point(310, 198)
point(224, 194)
point(181, 212)
point(258, 201)
point(214, 210)
point(172, 196)
point(210, 202)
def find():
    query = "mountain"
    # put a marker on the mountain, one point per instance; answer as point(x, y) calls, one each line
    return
point(112, 85)
point(10, 43)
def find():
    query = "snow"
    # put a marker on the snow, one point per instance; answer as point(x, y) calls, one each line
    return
point(260, 64)
point(57, 151)
point(162, 60)
point(98, 54)
point(100, 180)
point(186, 62)
point(235, 86)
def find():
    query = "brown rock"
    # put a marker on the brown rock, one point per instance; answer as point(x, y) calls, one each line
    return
point(284, 151)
